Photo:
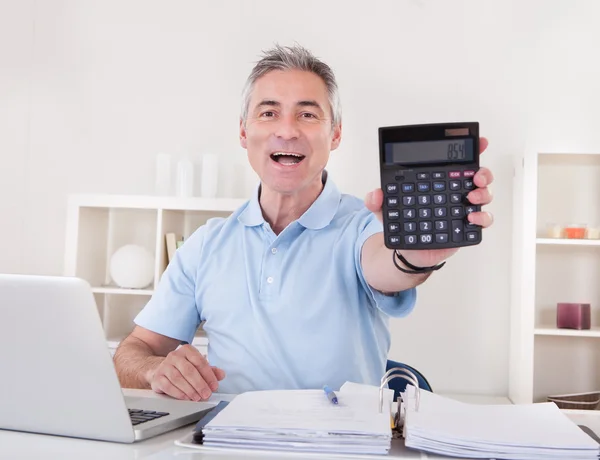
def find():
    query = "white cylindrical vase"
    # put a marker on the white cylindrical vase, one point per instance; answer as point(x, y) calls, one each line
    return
point(210, 175)
point(185, 178)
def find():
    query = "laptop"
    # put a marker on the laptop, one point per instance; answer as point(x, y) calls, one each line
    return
point(57, 373)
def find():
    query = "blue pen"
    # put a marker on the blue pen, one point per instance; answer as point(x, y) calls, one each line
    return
point(330, 394)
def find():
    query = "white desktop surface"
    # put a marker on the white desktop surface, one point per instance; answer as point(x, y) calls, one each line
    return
point(15, 445)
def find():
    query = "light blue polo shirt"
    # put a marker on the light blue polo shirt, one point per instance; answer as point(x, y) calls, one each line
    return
point(287, 311)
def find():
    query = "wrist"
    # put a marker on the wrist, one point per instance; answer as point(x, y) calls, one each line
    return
point(410, 268)
point(150, 366)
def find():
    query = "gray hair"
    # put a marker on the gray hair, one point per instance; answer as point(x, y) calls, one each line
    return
point(293, 58)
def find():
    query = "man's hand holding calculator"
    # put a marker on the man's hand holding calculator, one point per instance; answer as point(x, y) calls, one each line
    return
point(479, 196)
point(432, 191)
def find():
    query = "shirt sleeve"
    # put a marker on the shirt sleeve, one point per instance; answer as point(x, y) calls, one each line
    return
point(172, 310)
point(398, 305)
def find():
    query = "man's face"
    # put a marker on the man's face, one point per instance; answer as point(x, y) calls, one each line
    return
point(288, 133)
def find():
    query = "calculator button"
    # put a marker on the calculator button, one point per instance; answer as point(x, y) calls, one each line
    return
point(408, 200)
point(422, 176)
point(394, 228)
point(423, 186)
point(454, 174)
point(468, 184)
point(472, 237)
point(424, 200)
point(409, 213)
point(410, 239)
point(425, 213)
point(410, 227)
point(391, 188)
point(454, 185)
point(439, 175)
point(440, 212)
point(441, 237)
point(425, 226)
point(395, 214)
point(408, 188)
point(441, 225)
point(439, 186)
point(455, 198)
point(457, 211)
point(392, 201)
point(470, 209)
point(439, 199)
point(394, 240)
point(426, 238)
point(468, 173)
point(457, 231)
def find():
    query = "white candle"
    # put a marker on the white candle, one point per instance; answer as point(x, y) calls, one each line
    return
point(593, 233)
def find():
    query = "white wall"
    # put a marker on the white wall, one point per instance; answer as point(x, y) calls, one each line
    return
point(91, 91)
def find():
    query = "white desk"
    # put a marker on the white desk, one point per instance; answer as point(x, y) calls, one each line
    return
point(23, 446)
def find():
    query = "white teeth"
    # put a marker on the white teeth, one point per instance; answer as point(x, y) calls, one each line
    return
point(287, 154)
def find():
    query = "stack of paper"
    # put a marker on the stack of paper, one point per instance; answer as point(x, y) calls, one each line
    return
point(533, 431)
point(303, 421)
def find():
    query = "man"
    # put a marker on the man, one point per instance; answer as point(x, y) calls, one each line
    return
point(296, 286)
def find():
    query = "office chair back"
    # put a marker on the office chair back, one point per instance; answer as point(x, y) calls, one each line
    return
point(399, 385)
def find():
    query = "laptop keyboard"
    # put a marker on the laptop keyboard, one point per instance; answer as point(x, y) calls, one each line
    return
point(140, 416)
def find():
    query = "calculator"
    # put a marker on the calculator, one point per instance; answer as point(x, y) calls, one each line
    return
point(426, 173)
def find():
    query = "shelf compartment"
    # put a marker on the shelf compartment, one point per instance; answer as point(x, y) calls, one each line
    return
point(565, 365)
point(119, 311)
point(103, 231)
point(566, 274)
point(567, 189)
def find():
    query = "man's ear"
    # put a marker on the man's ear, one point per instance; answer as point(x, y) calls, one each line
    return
point(243, 139)
point(337, 136)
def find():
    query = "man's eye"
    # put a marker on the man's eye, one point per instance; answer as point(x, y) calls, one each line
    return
point(267, 114)
point(308, 115)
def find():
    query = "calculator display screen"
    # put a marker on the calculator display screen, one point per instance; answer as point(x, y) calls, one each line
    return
point(443, 151)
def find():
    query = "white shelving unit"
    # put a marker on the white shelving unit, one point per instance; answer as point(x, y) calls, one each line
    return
point(98, 225)
point(564, 188)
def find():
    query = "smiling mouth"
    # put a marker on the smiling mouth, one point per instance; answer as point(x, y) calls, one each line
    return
point(287, 158)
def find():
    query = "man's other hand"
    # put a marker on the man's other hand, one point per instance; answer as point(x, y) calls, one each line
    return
point(186, 374)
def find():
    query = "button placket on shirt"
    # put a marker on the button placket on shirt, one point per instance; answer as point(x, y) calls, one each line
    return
point(271, 267)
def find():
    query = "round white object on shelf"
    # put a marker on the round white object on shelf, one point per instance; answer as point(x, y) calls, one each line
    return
point(132, 267)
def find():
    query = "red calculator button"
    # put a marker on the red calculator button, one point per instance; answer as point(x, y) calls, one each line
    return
point(469, 173)
point(454, 174)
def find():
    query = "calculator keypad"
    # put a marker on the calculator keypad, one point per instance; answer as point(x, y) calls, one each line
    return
point(428, 210)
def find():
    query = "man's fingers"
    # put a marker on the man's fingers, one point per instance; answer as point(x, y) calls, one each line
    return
point(219, 373)
point(179, 381)
point(374, 203)
point(483, 144)
point(193, 377)
point(483, 218)
point(483, 177)
point(162, 385)
point(374, 200)
point(481, 196)
point(205, 370)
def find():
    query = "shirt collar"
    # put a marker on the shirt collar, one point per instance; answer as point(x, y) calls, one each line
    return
point(319, 215)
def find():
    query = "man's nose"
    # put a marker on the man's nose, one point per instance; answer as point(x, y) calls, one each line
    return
point(287, 128)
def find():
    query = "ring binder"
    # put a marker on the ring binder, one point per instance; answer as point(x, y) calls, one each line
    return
point(411, 378)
